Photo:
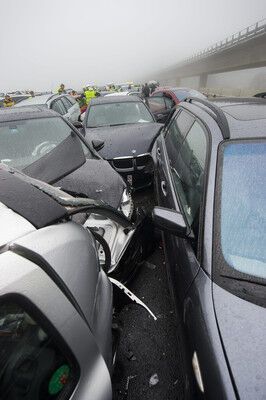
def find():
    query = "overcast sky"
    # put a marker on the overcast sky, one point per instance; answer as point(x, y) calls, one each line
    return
point(46, 42)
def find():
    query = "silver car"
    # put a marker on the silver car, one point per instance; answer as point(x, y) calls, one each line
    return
point(55, 307)
point(64, 104)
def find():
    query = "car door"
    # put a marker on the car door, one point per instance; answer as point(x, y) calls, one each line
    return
point(72, 108)
point(156, 104)
point(182, 153)
point(58, 106)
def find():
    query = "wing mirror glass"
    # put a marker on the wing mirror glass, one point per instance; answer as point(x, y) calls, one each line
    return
point(97, 144)
point(170, 221)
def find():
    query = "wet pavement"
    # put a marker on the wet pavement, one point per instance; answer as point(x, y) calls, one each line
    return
point(148, 363)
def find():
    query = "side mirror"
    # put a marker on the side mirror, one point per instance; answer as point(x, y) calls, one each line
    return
point(97, 144)
point(160, 117)
point(170, 221)
point(77, 124)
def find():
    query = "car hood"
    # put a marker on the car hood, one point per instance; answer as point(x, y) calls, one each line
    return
point(97, 180)
point(242, 328)
point(119, 141)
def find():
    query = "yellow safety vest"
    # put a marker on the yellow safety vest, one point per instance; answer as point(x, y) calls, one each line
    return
point(8, 103)
point(89, 94)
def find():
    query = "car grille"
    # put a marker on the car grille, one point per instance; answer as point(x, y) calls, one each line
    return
point(132, 163)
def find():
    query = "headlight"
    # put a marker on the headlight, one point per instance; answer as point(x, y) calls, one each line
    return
point(126, 204)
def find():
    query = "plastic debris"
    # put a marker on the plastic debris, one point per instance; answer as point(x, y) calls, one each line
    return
point(150, 266)
point(132, 296)
point(154, 379)
point(131, 356)
point(129, 378)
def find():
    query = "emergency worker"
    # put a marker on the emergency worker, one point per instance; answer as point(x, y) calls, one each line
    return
point(8, 101)
point(89, 94)
point(61, 89)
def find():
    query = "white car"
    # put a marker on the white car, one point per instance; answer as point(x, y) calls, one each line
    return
point(64, 104)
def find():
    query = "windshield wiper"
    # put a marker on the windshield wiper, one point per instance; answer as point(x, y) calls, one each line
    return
point(247, 280)
point(124, 123)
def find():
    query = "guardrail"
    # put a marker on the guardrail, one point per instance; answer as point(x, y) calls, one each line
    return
point(250, 32)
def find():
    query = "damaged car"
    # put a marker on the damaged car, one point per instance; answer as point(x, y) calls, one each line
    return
point(56, 302)
point(211, 191)
point(41, 144)
point(122, 130)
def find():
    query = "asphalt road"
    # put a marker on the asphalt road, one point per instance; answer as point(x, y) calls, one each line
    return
point(149, 363)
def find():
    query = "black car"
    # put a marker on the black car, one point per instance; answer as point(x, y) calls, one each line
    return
point(211, 187)
point(43, 145)
point(122, 129)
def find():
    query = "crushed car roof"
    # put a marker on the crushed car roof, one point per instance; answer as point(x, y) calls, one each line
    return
point(27, 112)
point(114, 99)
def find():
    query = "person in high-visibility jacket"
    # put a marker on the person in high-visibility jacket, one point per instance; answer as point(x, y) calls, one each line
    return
point(89, 94)
point(8, 102)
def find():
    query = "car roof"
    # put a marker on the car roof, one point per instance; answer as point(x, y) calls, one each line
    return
point(38, 100)
point(246, 117)
point(26, 112)
point(114, 99)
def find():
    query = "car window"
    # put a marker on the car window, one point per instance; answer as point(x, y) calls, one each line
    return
point(58, 106)
point(32, 365)
point(188, 173)
point(111, 114)
point(177, 132)
point(157, 94)
point(26, 141)
point(66, 103)
point(156, 104)
point(71, 100)
point(169, 102)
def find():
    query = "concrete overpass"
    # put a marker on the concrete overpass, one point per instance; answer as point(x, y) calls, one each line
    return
point(243, 50)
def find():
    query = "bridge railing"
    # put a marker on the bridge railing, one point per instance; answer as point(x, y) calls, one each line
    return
point(251, 31)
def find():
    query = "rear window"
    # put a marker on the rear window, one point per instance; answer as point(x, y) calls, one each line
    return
point(243, 207)
point(32, 366)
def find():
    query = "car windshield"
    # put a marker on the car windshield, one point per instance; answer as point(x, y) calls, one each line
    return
point(26, 141)
point(118, 114)
point(243, 207)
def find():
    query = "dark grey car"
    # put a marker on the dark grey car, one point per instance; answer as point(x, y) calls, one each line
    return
point(211, 187)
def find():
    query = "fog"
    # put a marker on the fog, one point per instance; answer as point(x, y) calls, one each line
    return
point(44, 43)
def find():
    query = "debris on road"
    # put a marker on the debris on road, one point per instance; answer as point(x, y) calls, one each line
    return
point(131, 356)
point(132, 296)
point(150, 265)
point(154, 379)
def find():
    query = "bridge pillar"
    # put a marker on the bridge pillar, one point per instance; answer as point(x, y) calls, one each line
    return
point(203, 80)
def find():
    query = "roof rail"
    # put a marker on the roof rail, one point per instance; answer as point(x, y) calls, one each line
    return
point(220, 118)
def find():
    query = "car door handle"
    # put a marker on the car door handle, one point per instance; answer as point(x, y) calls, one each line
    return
point(164, 188)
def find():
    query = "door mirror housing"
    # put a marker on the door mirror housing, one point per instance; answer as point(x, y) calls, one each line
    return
point(97, 144)
point(79, 126)
point(170, 221)
point(160, 117)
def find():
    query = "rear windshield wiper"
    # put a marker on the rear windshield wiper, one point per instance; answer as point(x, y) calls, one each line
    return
point(246, 280)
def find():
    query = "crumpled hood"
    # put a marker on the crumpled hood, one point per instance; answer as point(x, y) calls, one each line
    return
point(97, 180)
point(242, 326)
point(119, 141)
